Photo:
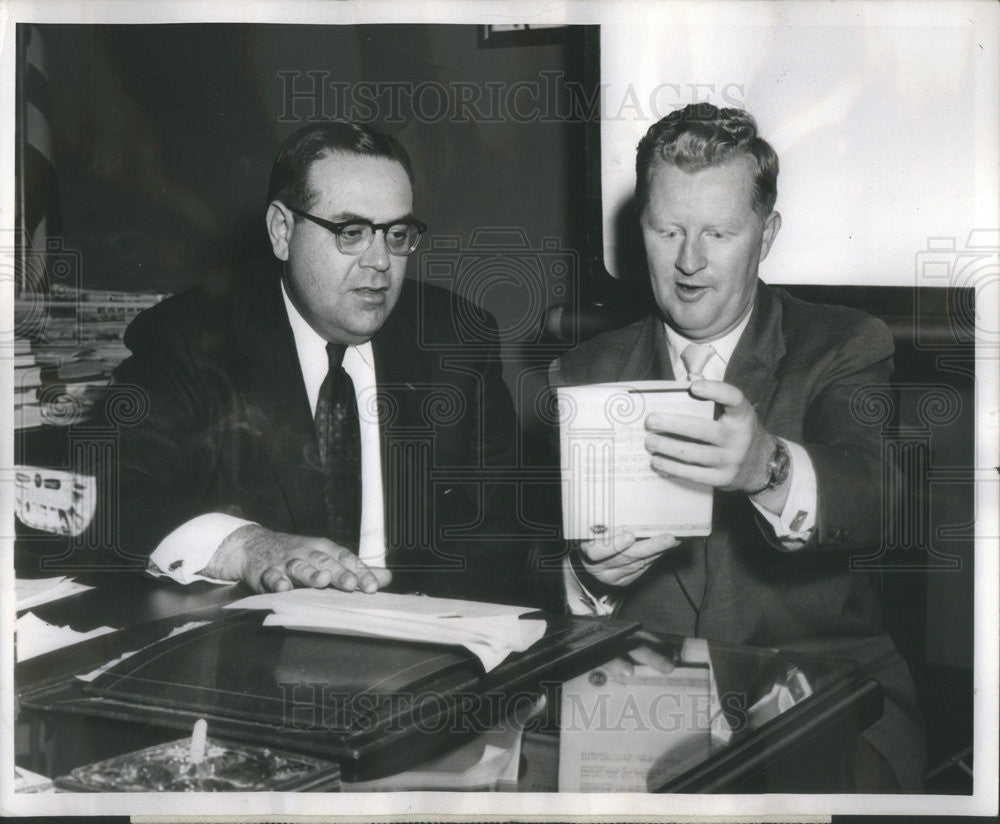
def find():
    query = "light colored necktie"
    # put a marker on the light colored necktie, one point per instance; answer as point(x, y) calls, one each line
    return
point(695, 357)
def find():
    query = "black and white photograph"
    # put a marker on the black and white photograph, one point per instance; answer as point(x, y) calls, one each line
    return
point(530, 410)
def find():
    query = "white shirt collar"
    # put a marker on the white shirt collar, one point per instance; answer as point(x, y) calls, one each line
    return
point(311, 349)
point(724, 346)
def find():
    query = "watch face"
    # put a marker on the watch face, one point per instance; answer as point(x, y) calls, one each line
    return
point(779, 465)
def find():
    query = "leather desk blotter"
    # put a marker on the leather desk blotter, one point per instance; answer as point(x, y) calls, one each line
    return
point(376, 706)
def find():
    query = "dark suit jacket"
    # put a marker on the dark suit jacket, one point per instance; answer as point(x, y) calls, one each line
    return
point(229, 429)
point(800, 366)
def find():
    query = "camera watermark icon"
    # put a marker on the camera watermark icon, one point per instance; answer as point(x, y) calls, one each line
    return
point(504, 286)
point(971, 274)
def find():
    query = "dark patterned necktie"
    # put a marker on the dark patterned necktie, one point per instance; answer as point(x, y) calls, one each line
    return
point(338, 431)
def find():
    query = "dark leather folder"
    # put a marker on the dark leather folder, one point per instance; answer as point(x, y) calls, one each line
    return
point(376, 706)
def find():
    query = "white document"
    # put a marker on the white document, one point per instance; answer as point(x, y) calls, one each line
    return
point(34, 636)
point(607, 480)
point(632, 734)
point(33, 592)
point(490, 631)
point(26, 781)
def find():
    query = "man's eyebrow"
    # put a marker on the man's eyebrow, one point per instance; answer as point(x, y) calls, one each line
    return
point(725, 225)
point(347, 217)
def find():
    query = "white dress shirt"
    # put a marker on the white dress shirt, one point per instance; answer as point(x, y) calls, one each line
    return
point(792, 526)
point(189, 548)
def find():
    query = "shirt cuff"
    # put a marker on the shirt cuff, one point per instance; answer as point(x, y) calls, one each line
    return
point(794, 526)
point(579, 600)
point(188, 549)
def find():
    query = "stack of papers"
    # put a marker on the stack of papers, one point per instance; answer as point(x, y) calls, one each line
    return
point(490, 631)
point(33, 592)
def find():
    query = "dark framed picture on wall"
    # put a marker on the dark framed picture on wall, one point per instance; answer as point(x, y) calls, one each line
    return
point(521, 34)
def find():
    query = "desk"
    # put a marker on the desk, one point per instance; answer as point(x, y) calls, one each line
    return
point(804, 749)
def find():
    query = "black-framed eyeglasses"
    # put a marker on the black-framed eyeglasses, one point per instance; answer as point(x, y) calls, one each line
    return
point(355, 236)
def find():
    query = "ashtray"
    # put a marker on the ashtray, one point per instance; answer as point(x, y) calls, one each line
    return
point(225, 767)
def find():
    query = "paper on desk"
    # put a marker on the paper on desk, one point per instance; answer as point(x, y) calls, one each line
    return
point(490, 631)
point(26, 781)
point(33, 592)
point(607, 480)
point(634, 733)
point(35, 636)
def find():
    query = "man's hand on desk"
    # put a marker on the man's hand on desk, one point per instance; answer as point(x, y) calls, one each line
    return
point(619, 559)
point(270, 561)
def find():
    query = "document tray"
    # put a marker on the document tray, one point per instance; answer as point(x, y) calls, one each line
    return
point(376, 706)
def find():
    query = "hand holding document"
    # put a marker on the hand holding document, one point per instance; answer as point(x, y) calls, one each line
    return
point(608, 482)
point(490, 631)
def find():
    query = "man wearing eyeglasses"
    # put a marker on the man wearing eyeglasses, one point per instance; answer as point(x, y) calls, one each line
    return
point(295, 425)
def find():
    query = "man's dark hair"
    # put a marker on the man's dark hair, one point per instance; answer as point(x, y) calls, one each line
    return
point(289, 174)
point(702, 135)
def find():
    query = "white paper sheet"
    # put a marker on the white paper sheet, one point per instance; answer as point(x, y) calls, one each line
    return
point(633, 733)
point(490, 631)
point(607, 480)
point(36, 637)
point(33, 592)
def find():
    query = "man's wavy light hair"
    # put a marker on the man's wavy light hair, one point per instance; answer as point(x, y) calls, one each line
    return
point(702, 135)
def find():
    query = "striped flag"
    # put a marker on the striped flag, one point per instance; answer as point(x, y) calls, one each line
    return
point(37, 187)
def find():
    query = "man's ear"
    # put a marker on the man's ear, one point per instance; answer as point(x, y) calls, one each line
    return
point(771, 226)
point(280, 225)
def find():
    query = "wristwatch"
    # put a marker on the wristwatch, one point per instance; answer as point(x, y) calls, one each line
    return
point(777, 469)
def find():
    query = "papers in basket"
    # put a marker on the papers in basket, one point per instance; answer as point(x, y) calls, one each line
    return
point(490, 631)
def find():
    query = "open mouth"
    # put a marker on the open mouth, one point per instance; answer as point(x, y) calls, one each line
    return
point(690, 291)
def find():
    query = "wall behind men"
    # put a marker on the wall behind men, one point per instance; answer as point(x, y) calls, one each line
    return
point(884, 117)
point(164, 138)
